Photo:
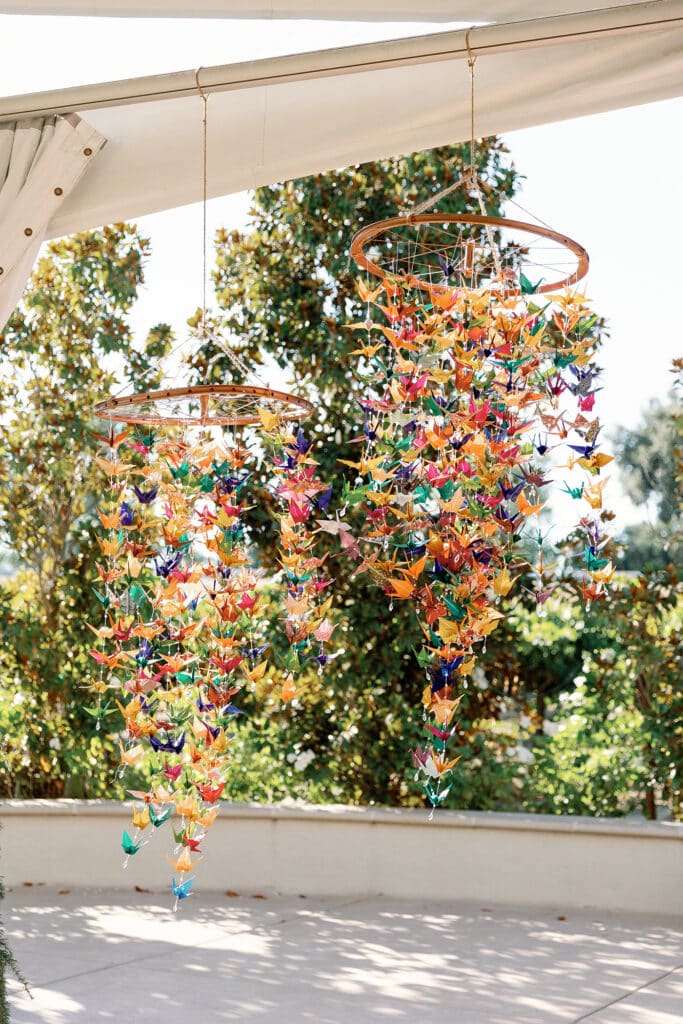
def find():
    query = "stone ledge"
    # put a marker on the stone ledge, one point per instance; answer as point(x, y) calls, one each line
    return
point(521, 859)
point(331, 813)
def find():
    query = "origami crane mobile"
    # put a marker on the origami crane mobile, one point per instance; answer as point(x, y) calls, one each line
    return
point(470, 371)
point(183, 626)
point(470, 368)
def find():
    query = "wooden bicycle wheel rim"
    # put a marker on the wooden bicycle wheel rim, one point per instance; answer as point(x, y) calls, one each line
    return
point(372, 232)
point(207, 405)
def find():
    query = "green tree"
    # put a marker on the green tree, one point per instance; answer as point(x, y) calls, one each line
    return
point(648, 462)
point(625, 741)
point(617, 738)
point(287, 297)
point(63, 350)
point(535, 655)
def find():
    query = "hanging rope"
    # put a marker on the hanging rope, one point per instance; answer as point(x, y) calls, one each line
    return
point(471, 61)
point(470, 176)
point(474, 177)
point(236, 361)
point(205, 100)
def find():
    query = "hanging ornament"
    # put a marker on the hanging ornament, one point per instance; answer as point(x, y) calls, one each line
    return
point(185, 626)
point(478, 352)
point(302, 496)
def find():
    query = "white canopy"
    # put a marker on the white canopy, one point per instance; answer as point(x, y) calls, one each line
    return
point(270, 120)
point(316, 10)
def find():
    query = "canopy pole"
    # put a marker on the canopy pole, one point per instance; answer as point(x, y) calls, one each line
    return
point(655, 15)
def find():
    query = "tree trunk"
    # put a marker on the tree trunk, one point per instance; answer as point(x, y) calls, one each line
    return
point(644, 705)
point(540, 712)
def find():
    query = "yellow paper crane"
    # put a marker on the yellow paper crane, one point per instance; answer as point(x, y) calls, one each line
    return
point(184, 863)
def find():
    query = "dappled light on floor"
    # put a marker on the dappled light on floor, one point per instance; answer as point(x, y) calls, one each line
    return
point(95, 956)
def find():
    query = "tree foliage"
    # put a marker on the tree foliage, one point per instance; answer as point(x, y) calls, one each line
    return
point(621, 737)
point(62, 351)
point(647, 458)
point(568, 712)
point(648, 455)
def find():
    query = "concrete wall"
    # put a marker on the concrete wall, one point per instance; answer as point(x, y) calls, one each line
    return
point(517, 859)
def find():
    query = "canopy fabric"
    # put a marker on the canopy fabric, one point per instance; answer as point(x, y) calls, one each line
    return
point(271, 120)
point(41, 160)
point(317, 10)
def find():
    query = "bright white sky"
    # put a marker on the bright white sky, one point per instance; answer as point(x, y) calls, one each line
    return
point(611, 181)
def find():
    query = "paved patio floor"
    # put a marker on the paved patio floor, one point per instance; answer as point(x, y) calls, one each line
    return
point(112, 956)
